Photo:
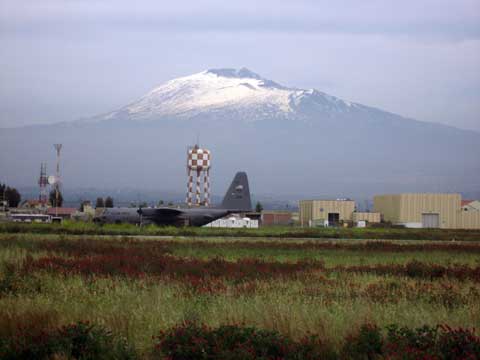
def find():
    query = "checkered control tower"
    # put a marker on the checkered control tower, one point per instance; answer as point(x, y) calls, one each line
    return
point(198, 162)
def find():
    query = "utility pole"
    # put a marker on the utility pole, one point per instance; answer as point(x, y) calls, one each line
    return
point(58, 148)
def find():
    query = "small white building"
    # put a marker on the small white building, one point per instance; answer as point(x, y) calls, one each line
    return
point(470, 205)
point(234, 222)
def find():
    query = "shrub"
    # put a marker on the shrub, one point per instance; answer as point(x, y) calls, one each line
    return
point(458, 343)
point(405, 343)
point(191, 341)
point(9, 279)
point(441, 342)
point(366, 343)
point(77, 341)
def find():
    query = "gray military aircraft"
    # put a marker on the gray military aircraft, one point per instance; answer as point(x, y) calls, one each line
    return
point(236, 200)
point(118, 215)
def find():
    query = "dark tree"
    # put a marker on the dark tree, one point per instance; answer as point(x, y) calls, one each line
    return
point(161, 203)
point(109, 202)
point(10, 194)
point(13, 197)
point(258, 207)
point(52, 197)
point(99, 203)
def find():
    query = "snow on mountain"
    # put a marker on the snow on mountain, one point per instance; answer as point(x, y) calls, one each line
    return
point(217, 91)
point(290, 141)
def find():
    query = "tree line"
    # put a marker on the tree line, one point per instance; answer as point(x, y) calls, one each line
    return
point(104, 203)
point(10, 194)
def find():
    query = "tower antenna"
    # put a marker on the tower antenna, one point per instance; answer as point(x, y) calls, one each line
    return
point(58, 148)
point(42, 183)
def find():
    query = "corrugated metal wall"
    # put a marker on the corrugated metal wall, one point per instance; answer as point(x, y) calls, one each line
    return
point(388, 206)
point(397, 208)
point(468, 219)
point(315, 210)
point(305, 215)
point(409, 208)
point(371, 217)
point(412, 206)
point(321, 209)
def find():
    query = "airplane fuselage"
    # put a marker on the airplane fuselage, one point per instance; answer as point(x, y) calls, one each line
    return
point(118, 216)
point(236, 200)
point(186, 217)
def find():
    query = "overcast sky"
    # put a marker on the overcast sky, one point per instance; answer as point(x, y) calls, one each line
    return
point(64, 60)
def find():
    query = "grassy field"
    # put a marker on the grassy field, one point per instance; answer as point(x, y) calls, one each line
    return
point(88, 228)
point(138, 287)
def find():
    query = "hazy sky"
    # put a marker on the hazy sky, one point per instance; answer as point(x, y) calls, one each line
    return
point(63, 60)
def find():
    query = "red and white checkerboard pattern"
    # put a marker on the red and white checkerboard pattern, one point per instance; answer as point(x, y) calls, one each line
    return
point(198, 161)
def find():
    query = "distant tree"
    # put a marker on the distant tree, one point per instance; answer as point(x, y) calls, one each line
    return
point(143, 204)
point(258, 207)
point(161, 203)
point(170, 203)
point(99, 203)
point(13, 197)
point(109, 202)
point(10, 194)
point(52, 198)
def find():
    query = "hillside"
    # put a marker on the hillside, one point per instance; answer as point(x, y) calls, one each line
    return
point(290, 141)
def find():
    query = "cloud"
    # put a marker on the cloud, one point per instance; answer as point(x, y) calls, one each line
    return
point(429, 18)
point(62, 60)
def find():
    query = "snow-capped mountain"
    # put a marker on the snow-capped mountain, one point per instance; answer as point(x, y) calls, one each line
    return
point(228, 91)
point(290, 141)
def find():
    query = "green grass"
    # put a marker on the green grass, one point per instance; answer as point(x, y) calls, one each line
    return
point(82, 228)
point(330, 303)
point(139, 312)
point(329, 257)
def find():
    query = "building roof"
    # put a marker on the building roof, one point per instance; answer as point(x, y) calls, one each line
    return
point(61, 211)
point(466, 202)
point(276, 212)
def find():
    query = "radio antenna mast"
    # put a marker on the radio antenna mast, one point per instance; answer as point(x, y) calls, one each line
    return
point(58, 148)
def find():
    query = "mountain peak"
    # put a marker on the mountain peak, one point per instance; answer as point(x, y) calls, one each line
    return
point(227, 93)
point(245, 73)
point(234, 73)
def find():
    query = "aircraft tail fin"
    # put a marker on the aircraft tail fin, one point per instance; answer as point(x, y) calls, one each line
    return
point(238, 194)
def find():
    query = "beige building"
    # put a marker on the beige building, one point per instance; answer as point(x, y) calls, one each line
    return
point(332, 212)
point(325, 212)
point(369, 217)
point(426, 211)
